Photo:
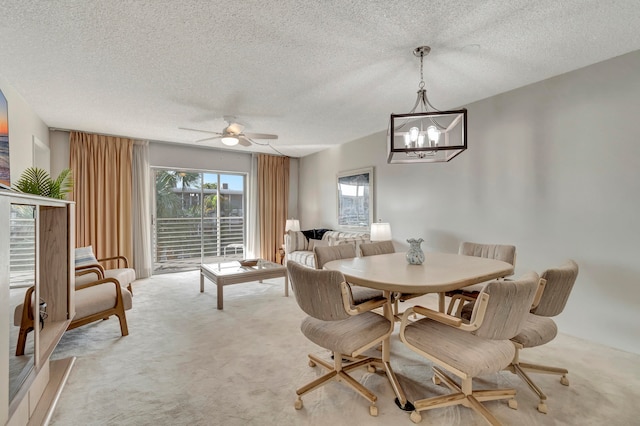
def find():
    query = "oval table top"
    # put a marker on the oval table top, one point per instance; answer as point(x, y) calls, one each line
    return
point(439, 273)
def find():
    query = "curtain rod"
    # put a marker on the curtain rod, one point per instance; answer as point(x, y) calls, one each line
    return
point(57, 129)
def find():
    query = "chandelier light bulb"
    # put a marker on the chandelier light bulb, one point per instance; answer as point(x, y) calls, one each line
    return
point(413, 134)
point(434, 135)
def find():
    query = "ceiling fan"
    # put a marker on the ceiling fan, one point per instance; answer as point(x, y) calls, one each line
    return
point(233, 134)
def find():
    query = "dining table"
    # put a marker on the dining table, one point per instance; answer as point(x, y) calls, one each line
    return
point(439, 273)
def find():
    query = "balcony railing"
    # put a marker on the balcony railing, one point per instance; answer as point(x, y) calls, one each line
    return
point(184, 243)
point(22, 252)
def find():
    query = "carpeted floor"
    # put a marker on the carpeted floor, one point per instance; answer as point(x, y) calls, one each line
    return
point(186, 363)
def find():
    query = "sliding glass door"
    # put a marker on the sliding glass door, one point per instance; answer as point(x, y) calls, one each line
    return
point(199, 218)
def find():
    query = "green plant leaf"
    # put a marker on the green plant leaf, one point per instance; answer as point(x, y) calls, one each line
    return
point(35, 181)
point(62, 185)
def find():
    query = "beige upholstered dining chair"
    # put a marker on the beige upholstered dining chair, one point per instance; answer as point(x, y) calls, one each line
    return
point(377, 247)
point(472, 349)
point(539, 328)
point(503, 252)
point(345, 251)
point(334, 323)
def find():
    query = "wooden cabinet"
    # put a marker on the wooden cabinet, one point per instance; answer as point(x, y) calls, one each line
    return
point(30, 399)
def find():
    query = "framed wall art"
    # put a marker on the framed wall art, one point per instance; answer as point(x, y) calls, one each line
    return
point(5, 170)
point(355, 198)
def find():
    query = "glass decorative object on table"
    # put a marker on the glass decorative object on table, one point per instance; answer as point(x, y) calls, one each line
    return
point(415, 255)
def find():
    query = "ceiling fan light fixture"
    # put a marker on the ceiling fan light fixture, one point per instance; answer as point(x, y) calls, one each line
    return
point(230, 140)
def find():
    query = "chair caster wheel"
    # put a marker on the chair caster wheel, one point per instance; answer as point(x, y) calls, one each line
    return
point(371, 368)
point(298, 404)
point(415, 417)
point(513, 404)
point(564, 380)
point(542, 407)
point(436, 380)
point(312, 364)
point(373, 410)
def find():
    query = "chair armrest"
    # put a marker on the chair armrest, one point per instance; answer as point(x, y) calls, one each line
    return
point(123, 258)
point(476, 318)
point(536, 299)
point(460, 298)
point(437, 316)
point(90, 269)
point(362, 307)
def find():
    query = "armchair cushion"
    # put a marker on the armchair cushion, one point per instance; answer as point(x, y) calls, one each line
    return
point(99, 298)
point(124, 275)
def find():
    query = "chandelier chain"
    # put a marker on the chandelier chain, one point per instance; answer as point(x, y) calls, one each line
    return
point(421, 84)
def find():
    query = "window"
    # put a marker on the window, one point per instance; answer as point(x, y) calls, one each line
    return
point(199, 218)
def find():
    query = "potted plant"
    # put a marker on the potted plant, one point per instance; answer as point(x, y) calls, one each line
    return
point(38, 181)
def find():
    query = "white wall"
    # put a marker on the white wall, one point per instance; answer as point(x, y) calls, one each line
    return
point(192, 157)
point(23, 125)
point(552, 168)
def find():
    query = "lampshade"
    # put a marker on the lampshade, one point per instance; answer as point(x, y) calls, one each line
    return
point(380, 231)
point(292, 225)
point(426, 136)
point(229, 140)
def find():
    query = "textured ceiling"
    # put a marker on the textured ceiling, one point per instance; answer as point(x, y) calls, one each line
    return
point(315, 73)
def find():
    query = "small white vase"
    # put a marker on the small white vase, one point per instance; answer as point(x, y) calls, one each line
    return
point(415, 255)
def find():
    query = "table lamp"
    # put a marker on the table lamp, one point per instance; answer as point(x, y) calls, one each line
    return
point(380, 231)
point(292, 225)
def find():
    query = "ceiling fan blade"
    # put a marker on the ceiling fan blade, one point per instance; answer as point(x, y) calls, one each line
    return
point(234, 128)
point(209, 138)
point(244, 141)
point(260, 136)
point(198, 130)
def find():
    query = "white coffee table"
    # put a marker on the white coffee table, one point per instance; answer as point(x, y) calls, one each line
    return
point(227, 273)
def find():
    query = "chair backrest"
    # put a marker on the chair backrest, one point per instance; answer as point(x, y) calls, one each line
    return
point(378, 247)
point(509, 304)
point(318, 292)
point(329, 253)
point(556, 292)
point(506, 253)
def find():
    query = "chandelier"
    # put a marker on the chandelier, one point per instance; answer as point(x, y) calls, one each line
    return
point(426, 134)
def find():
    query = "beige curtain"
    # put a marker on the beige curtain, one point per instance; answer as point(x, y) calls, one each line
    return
point(273, 202)
point(141, 211)
point(101, 167)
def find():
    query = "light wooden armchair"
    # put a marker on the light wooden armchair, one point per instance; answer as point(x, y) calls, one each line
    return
point(95, 299)
point(99, 299)
point(336, 324)
point(472, 349)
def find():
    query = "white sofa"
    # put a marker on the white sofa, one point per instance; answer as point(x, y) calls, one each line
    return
point(299, 248)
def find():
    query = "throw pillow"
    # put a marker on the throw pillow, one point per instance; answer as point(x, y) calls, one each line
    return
point(84, 256)
point(295, 241)
point(317, 243)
